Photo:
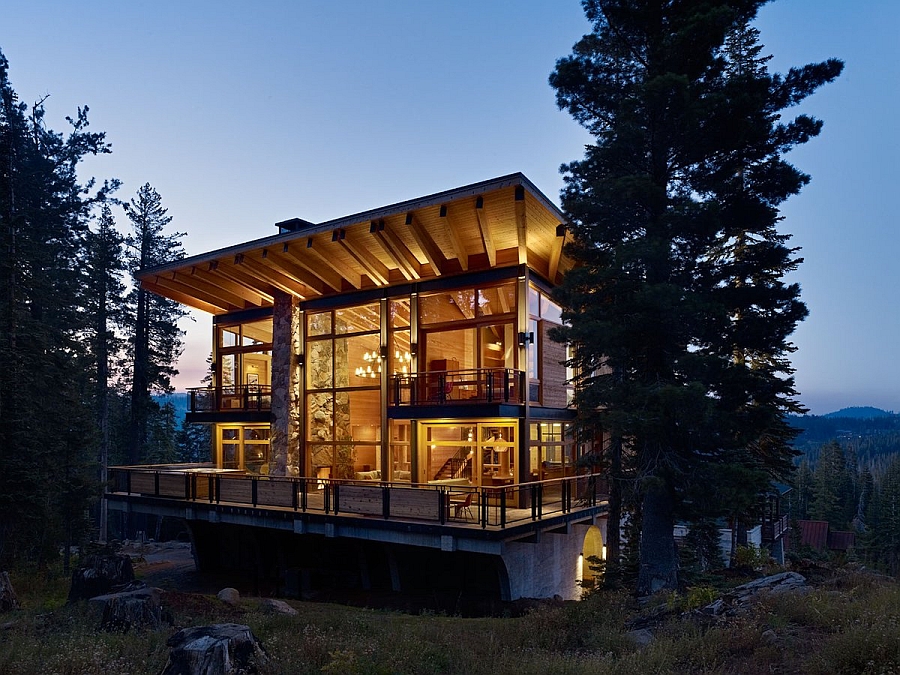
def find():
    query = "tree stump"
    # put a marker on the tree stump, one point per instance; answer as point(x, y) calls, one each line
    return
point(220, 649)
point(141, 608)
point(101, 573)
point(8, 599)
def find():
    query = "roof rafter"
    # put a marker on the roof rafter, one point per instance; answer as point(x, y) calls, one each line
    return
point(176, 292)
point(485, 229)
point(266, 273)
point(205, 288)
point(375, 269)
point(455, 241)
point(326, 274)
point(241, 277)
point(254, 297)
point(396, 250)
point(289, 269)
point(432, 253)
point(521, 225)
point(331, 262)
point(556, 251)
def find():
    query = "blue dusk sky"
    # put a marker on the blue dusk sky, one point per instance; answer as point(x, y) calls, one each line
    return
point(244, 114)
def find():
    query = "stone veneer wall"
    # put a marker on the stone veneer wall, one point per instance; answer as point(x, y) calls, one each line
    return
point(285, 443)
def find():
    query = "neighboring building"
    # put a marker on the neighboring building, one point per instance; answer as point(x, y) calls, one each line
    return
point(386, 397)
point(819, 535)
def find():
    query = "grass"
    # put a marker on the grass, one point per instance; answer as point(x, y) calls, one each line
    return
point(849, 623)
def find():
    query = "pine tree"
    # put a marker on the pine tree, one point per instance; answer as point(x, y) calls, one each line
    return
point(833, 495)
point(677, 310)
point(154, 336)
point(104, 306)
point(45, 432)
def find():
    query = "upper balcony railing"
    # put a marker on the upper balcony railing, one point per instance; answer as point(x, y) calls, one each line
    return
point(478, 385)
point(235, 398)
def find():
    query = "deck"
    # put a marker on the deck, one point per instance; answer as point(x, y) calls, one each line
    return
point(445, 506)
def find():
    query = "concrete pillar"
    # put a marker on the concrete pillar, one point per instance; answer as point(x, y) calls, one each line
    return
point(285, 442)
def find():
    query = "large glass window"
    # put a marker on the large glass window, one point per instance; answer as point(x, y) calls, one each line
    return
point(344, 367)
point(244, 364)
point(479, 453)
point(244, 447)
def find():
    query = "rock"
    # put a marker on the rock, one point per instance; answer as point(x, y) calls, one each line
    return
point(641, 637)
point(101, 573)
point(8, 599)
point(775, 584)
point(278, 607)
point(140, 608)
point(229, 596)
point(741, 596)
point(768, 637)
point(220, 649)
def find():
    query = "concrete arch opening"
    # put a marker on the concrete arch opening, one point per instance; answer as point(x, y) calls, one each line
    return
point(592, 548)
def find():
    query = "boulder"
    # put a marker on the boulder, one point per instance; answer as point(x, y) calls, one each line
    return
point(229, 596)
point(140, 608)
point(101, 573)
point(277, 607)
point(739, 597)
point(220, 649)
point(8, 599)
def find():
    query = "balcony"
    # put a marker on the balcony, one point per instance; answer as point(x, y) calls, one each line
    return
point(237, 398)
point(452, 387)
point(491, 508)
point(774, 529)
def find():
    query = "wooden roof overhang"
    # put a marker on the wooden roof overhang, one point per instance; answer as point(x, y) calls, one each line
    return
point(501, 222)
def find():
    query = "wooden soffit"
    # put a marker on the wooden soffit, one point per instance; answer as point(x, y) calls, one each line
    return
point(497, 223)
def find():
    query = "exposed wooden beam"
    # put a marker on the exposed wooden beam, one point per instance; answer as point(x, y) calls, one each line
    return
point(484, 228)
point(326, 274)
point(455, 241)
point(432, 253)
point(331, 262)
point(396, 250)
point(190, 281)
point(376, 270)
point(239, 276)
point(188, 299)
point(521, 225)
point(254, 297)
point(263, 272)
point(289, 269)
point(556, 252)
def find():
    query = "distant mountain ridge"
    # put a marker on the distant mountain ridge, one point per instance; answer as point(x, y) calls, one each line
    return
point(865, 412)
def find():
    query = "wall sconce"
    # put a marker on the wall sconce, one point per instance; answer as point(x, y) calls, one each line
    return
point(301, 360)
point(414, 349)
point(526, 339)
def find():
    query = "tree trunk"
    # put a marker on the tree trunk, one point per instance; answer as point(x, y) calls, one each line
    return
point(614, 514)
point(659, 564)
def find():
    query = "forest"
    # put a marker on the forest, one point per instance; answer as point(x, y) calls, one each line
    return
point(849, 475)
point(85, 350)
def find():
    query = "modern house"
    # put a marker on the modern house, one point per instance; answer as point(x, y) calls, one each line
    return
point(387, 404)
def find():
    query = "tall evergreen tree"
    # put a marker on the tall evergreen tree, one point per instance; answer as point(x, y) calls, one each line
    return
point(44, 439)
point(104, 306)
point(677, 310)
point(152, 329)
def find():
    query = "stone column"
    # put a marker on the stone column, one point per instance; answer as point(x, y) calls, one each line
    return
point(285, 443)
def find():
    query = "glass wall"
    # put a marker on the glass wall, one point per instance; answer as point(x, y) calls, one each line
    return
point(344, 365)
point(551, 450)
point(474, 453)
point(468, 328)
point(243, 371)
point(244, 447)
